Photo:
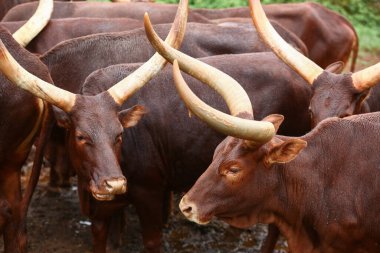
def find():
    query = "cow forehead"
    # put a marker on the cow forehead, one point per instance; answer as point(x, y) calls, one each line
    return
point(96, 114)
point(328, 82)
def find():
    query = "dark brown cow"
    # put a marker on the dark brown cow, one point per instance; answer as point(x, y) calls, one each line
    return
point(322, 197)
point(6, 5)
point(21, 116)
point(58, 30)
point(338, 95)
point(160, 13)
point(328, 35)
point(67, 68)
point(95, 127)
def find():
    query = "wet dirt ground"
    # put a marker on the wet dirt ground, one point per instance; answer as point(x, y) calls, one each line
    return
point(55, 225)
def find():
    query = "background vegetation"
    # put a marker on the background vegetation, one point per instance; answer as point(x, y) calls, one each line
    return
point(364, 14)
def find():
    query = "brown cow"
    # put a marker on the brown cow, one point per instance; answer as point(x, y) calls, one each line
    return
point(338, 95)
point(21, 116)
point(322, 197)
point(59, 30)
point(94, 125)
point(160, 13)
point(329, 36)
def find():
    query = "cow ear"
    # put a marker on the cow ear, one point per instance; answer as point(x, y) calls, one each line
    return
point(130, 117)
point(62, 118)
point(275, 119)
point(336, 67)
point(361, 106)
point(284, 152)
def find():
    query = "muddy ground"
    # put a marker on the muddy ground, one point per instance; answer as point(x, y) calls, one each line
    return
point(55, 224)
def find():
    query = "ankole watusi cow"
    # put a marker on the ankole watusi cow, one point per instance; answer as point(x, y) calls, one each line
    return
point(30, 28)
point(320, 189)
point(59, 30)
point(322, 197)
point(161, 13)
point(21, 116)
point(67, 68)
point(328, 35)
point(94, 128)
point(337, 95)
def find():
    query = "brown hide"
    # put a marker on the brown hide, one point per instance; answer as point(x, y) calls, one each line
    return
point(20, 118)
point(58, 30)
point(6, 5)
point(328, 36)
point(158, 13)
point(322, 201)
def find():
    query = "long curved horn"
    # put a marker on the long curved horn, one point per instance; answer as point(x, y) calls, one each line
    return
point(129, 85)
point(29, 82)
point(298, 62)
point(259, 132)
point(366, 78)
point(236, 98)
point(35, 24)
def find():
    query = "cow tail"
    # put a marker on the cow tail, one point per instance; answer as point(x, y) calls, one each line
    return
point(46, 127)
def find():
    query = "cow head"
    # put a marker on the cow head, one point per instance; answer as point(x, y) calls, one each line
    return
point(94, 124)
point(239, 177)
point(94, 128)
point(333, 94)
point(240, 181)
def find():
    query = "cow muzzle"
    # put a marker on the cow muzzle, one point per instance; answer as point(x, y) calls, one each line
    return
point(109, 189)
point(190, 210)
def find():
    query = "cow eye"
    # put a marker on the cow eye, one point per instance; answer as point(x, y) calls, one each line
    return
point(82, 139)
point(233, 170)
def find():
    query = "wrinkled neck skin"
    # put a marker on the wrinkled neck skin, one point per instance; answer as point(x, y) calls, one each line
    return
point(335, 96)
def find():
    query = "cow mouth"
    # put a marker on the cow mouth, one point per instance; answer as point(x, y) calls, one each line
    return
point(103, 197)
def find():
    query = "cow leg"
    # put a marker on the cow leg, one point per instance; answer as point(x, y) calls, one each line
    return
point(117, 225)
point(271, 240)
point(15, 229)
point(149, 207)
point(99, 229)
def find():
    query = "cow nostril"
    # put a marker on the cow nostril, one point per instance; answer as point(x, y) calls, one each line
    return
point(187, 209)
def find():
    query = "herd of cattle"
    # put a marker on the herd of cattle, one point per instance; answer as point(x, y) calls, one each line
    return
point(91, 91)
